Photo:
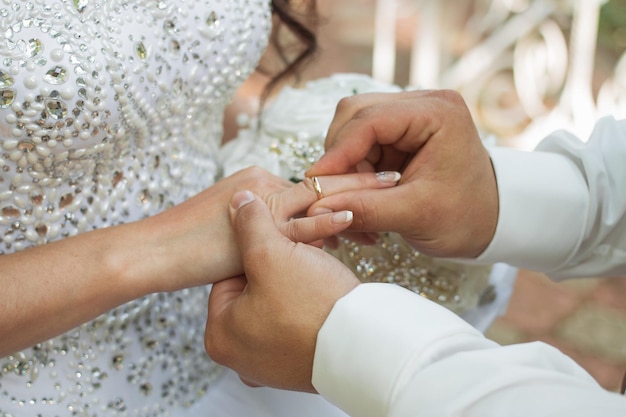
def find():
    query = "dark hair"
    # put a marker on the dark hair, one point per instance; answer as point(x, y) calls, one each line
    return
point(294, 47)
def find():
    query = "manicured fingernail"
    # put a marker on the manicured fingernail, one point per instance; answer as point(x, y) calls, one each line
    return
point(388, 176)
point(342, 217)
point(241, 198)
point(321, 210)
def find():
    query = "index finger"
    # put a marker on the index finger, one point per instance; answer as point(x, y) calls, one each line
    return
point(403, 120)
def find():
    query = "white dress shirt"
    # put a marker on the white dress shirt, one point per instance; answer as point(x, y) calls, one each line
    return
point(563, 206)
point(387, 352)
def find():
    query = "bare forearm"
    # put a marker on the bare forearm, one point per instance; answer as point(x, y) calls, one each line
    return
point(193, 244)
point(72, 281)
point(50, 289)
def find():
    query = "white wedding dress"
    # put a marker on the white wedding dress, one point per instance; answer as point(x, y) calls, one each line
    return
point(111, 111)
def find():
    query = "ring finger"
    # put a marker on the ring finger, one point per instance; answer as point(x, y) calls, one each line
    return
point(296, 200)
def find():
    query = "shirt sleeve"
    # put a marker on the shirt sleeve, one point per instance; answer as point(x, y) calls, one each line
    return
point(387, 352)
point(563, 206)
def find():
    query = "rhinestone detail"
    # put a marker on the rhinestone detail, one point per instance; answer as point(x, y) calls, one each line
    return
point(111, 111)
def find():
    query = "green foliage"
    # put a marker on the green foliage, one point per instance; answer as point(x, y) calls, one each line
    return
point(612, 30)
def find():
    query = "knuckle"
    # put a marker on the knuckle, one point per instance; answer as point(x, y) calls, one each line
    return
point(347, 104)
point(294, 229)
point(255, 171)
point(307, 184)
point(451, 95)
point(321, 227)
point(452, 98)
point(444, 94)
point(365, 113)
point(259, 178)
point(308, 229)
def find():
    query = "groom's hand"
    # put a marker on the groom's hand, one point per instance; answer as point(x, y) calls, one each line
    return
point(264, 325)
point(446, 203)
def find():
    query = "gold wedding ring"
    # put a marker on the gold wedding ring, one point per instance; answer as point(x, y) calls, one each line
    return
point(318, 188)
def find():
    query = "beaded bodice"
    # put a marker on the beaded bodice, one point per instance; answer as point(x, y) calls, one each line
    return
point(111, 111)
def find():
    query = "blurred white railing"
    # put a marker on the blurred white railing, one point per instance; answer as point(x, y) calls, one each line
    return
point(525, 67)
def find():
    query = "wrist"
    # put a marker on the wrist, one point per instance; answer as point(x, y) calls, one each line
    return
point(133, 259)
point(189, 245)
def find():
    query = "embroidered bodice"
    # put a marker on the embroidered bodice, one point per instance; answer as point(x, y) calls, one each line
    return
point(111, 111)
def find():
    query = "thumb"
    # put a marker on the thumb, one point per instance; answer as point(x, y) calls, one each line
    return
point(396, 209)
point(252, 222)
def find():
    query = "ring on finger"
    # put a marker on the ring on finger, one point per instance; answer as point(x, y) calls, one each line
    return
point(318, 188)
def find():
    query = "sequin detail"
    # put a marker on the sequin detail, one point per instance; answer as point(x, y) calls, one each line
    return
point(111, 111)
point(456, 286)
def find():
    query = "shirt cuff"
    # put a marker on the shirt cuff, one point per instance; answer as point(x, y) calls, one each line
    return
point(375, 339)
point(544, 201)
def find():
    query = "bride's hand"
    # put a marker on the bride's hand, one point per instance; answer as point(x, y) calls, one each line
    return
point(193, 243)
point(446, 203)
point(252, 327)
